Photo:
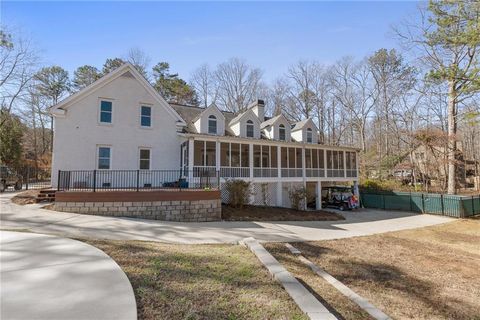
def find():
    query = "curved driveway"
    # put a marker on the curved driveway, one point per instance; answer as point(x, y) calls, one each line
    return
point(47, 277)
point(357, 223)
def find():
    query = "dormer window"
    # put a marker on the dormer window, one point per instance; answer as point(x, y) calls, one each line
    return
point(309, 135)
point(281, 132)
point(212, 124)
point(250, 129)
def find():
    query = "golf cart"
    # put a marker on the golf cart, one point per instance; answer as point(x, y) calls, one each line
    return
point(8, 178)
point(340, 197)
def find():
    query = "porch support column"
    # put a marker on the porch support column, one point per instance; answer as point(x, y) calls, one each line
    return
point(318, 200)
point(250, 160)
point(279, 194)
point(344, 164)
point(356, 191)
point(304, 176)
point(190, 160)
point(325, 162)
point(279, 162)
point(217, 156)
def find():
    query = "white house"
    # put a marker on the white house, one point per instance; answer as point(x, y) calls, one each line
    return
point(121, 123)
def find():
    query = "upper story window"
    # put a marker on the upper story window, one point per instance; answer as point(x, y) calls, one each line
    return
point(309, 135)
point(144, 159)
point(145, 116)
point(281, 132)
point(104, 157)
point(250, 129)
point(212, 124)
point(105, 111)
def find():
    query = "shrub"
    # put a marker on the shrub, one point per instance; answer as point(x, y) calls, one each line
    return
point(297, 197)
point(238, 192)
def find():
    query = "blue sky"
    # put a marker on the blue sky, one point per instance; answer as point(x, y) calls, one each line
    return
point(269, 35)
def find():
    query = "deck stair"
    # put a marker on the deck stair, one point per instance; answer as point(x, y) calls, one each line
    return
point(47, 195)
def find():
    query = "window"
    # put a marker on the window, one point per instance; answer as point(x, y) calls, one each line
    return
point(212, 124)
point(250, 128)
point(145, 116)
point(105, 111)
point(281, 132)
point(104, 157)
point(144, 159)
point(309, 135)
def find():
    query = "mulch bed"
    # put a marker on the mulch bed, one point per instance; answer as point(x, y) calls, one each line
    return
point(257, 213)
point(26, 197)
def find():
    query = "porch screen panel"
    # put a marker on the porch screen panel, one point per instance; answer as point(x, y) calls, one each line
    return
point(210, 158)
point(245, 155)
point(335, 166)
point(315, 158)
point(225, 154)
point(308, 158)
point(291, 157)
point(198, 153)
point(256, 156)
point(298, 152)
point(235, 154)
point(284, 157)
point(273, 157)
point(351, 161)
point(265, 156)
point(321, 159)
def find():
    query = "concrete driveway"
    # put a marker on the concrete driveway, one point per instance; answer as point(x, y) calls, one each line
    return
point(47, 277)
point(357, 223)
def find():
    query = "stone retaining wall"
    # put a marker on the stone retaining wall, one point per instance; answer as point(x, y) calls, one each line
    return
point(182, 210)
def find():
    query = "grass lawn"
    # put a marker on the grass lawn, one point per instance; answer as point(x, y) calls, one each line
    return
point(259, 213)
point(199, 281)
point(427, 273)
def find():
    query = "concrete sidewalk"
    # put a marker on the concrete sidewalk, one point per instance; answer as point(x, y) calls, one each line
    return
point(47, 277)
point(357, 223)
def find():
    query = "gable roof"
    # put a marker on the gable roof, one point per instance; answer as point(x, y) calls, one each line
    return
point(126, 68)
point(191, 113)
point(243, 114)
point(300, 124)
point(211, 106)
point(272, 121)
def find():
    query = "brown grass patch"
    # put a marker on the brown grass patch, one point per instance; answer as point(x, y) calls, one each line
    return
point(199, 282)
point(427, 273)
point(26, 197)
point(259, 213)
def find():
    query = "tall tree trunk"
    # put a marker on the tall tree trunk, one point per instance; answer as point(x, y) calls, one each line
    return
point(452, 142)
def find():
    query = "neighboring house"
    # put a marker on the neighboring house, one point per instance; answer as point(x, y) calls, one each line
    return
point(430, 164)
point(121, 123)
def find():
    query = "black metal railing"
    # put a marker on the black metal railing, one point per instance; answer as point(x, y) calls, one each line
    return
point(136, 180)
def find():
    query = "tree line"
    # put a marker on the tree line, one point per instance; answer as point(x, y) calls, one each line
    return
point(386, 103)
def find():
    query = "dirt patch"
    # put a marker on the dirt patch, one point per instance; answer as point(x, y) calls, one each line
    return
point(199, 282)
point(26, 197)
point(257, 213)
point(427, 273)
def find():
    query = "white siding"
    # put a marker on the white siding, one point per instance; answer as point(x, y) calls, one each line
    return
point(78, 134)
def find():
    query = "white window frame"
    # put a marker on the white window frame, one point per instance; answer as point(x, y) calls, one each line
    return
point(212, 117)
point(99, 111)
point(97, 156)
point(249, 123)
point(140, 115)
point(309, 131)
point(280, 127)
point(149, 157)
